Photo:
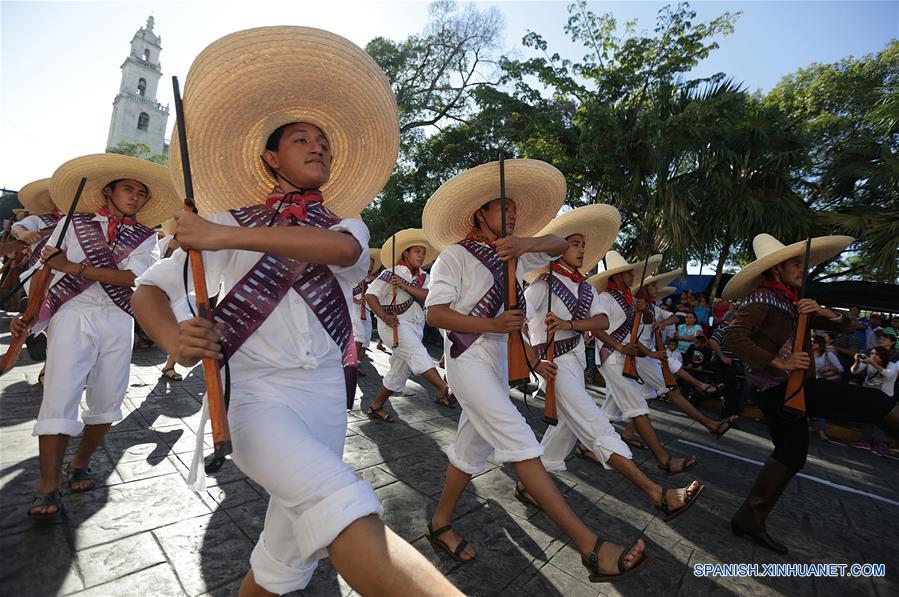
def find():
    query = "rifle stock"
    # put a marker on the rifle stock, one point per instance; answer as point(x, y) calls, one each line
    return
point(670, 382)
point(795, 396)
point(38, 291)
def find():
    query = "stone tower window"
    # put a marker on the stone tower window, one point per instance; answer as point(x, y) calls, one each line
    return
point(147, 55)
point(142, 87)
point(143, 121)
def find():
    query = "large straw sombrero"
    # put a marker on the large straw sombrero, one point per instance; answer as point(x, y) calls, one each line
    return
point(101, 169)
point(410, 237)
point(666, 292)
point(244, 86)
point(660, 280)
point(168, 227)
point(35, 197)
point(20, 213)
point(599, 226)
point(615, 264)
point(376, 257)
point(769, 252)
point(537, 188)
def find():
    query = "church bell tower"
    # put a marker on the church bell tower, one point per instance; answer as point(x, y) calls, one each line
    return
point(136, 115)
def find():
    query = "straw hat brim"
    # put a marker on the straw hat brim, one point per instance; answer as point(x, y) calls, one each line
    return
point(601, 280)
point(660, 280)
point(748, 278)
point(101, 169)
point(244, 86)
point(598, 224)
point(666, 292)
point(168, 227)
point(375, 254)
point(410, 237)
point(36, 198)
point(537, 188)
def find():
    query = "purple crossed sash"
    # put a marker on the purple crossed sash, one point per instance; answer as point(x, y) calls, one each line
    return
point(579, 307)
point(259, 292)
point(49, 220)
point(97, 254)
point(623, 330)
point(490, 303)
point(398, 310)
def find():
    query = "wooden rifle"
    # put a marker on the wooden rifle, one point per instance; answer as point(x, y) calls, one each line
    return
point(550, 410)
point(218, 413)
point(396, 328)
point(630, 361)
point(670, 382)
point(518, 364)
point(795, 397)
point(38, 290)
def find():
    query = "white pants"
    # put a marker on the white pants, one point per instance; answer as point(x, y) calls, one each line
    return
point(409, 357)
point(361, 327)
point(579, 419)
point(86, 345)
point(650, 371)
point(624, 397)
point(489, 423)
point(288, 433)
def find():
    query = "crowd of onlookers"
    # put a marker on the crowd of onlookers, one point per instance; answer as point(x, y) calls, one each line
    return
point(867, 354)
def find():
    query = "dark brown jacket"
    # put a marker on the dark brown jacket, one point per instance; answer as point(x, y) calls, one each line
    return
point(759, 331)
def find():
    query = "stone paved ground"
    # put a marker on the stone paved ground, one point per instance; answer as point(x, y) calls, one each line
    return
point(143, 532)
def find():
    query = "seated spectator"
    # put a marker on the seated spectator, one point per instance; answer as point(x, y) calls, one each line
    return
point(878, 372)
point(687, 331)
point(721, 307)
point(684, 379)
point(727, 367)
point(703, 312)
point(827, 366)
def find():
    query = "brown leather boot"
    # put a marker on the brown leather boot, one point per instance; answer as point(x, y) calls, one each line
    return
point(767, 489)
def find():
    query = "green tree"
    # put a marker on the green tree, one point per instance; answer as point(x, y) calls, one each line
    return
point(139, 150)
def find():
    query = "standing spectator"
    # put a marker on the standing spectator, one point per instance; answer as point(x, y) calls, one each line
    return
point(727, 367)
point(827, 366)
point(721, 307)
point(703, 312)
point(875, 324)
point(893, 328)
point(687, 331)
point(887, 339)
point(879, 373)
point(859, 328)
point(846, 345)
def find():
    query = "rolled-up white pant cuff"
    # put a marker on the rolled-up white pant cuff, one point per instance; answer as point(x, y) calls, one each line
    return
point(462, 465)
point(554, 466)
point(605, 447)
point(518, 455)
point(56, 427)
point(275, 577)
point(108, 417)
point(318, 526)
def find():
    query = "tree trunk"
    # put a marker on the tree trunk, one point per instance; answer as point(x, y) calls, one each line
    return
point(719, 269)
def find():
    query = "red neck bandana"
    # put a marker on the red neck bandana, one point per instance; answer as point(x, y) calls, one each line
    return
point(113, 223)
point(57, 213)
point(574, 276)
point(294, 204)
point(417, 273)
point(780, 287)
point(625, 291)
point(476, 235)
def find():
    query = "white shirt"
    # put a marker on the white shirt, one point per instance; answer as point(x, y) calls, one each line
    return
point(646, 337)
point(609, 307)
point(884, 380)
point(291, 337)
point(164, 243)
point(459, 279)
point(536, 298)
point(383, 291)
point(31, 223)
point(138, 261)
point(827, 359)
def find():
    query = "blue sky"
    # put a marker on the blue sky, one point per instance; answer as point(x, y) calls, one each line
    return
point(59, 61)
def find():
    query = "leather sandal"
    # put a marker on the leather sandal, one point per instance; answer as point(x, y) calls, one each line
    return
point(445, 398)
point(439, 545)
point(524, 497)
point(581, 452)
point(80, 475)
point(44, 499)
point(384, 417)
point(591, 563)
point(672, 513)
point(727, 423)
point(170, 373)
point(688, 464)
